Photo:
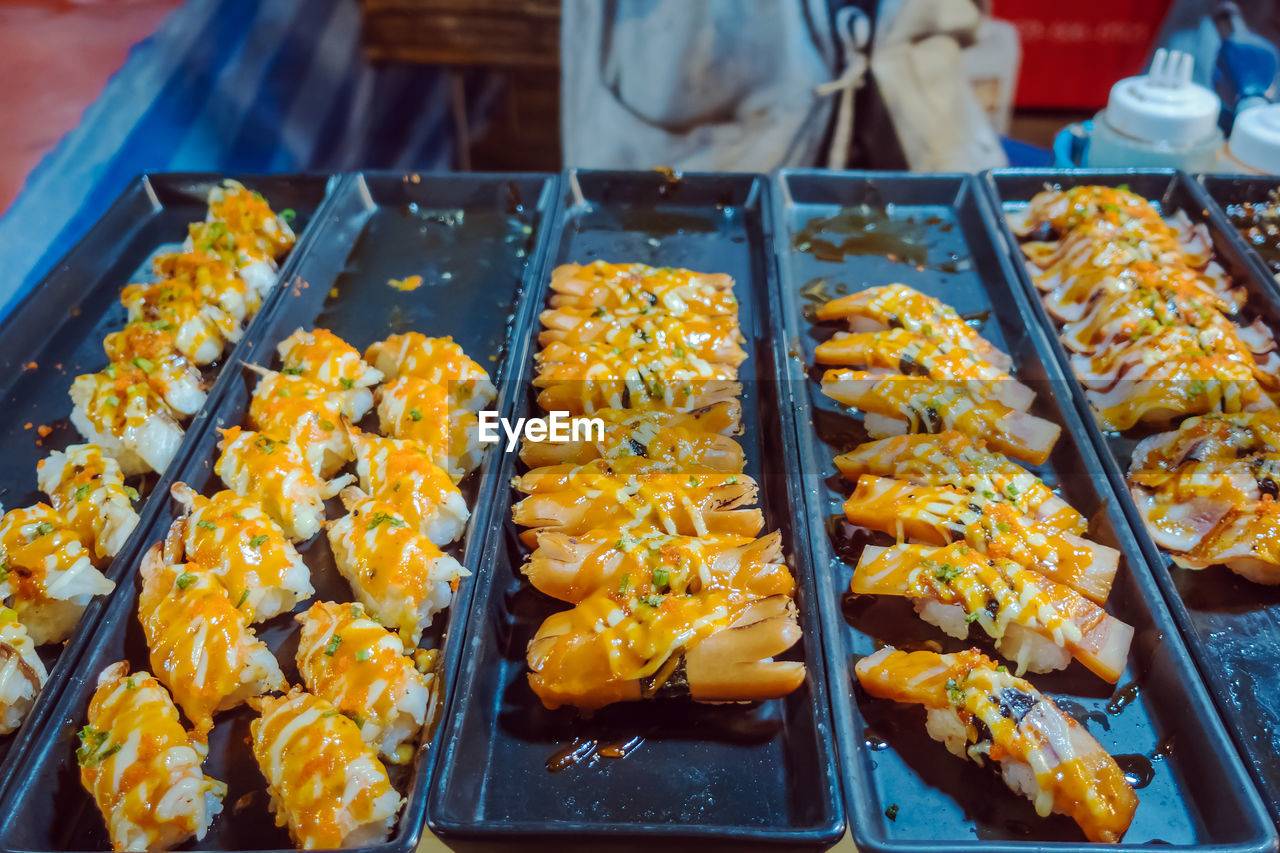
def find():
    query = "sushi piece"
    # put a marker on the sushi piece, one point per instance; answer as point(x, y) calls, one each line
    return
point(22, 673)
point(274, 473)
point(395, 572)
point(201, 645)
point(325, 358)
point(418, 410)
point(896, 306)
point(200, 330)
point(713, 338)
point(938, 515)
point(403, 475)
point(437, 360)
point(140, 766)
point(981, 712)
point(574, 500)
point(214, 279)
point(649, 391)
point(233, 538)
point(905, 352)
point(326, 784)
point(49, 571)
point(678, 440)
point(87, 487)
point(1036, 623)
point(571, 568)
point(123, 414)
point(615, 646)
point(307, 414)
point(951, 458)
point(365, 671)
point(896, 404)
point(147, 352)
point(628, 289)
point(258, 230)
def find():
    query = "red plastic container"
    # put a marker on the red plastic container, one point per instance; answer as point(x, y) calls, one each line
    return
point(1073, 52)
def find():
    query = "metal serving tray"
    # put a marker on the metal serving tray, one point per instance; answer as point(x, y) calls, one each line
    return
point(1229, 624)
point(55, 334)
point(471, 237)
point(718, 775)
point(935, 233)
point(1227, 190)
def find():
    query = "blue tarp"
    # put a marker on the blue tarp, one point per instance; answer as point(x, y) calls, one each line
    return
point(232, 86)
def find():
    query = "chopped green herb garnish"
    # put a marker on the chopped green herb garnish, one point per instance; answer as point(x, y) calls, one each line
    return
point(130, 683)
point(327, 426)
point(110, 370)
point(652, 600)
point(332, 649)
point(90, 751)
point(347, 384)
point(256, 542)
point(144, 364)
point(1002, 668)
point(624, 585)
point(82, 491)
point(954, 694)
point(599, 312)
point(44, 528)
point(244, 596)
point(1003, 527)
point(988, 494)
point(1197, 387)
point(288, 215)
point(206, 524)
point(415, 415)
point(363, 655)
point(111, 400)
point(946, 573)
point(185, 580)
point(386, 518)
point(973, 617)
point(131, 492)
point(661, 577)
point(292, 371)
point(332, 712)
point(1012, 491)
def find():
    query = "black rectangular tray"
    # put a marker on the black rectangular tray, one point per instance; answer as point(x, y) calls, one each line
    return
point(1227, 190)
point(55, 334)
point(718, 775)
point(376, 227)
point(1229, 624)
point(936, 233)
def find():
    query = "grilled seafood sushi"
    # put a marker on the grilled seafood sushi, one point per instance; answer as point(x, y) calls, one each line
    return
point(895, 404)
point(618, 646)
point(201, 645)
point(233, 538)
point(49, 571)
point(275, 473)
point(22, 673)
point(680, 440)
point(140, 766)
point(571, 568)
point(981, 712)
point(938, 515)
point(127, 419)
point(437, 360)
point(894, 306)
point(403, 475)
point(325, 358)
point(1038, 624)
point(574, 499)
point(418, 410)
point(305, 412)
point(86, 485)
point(640, 390)
point(200, 330)
point(951, 458)
point(395, 571)
point(365, 671)
point(146, 352)
point(715, 339)
point(326, 784)
point(906, 352)
point(257, 229)
point(626, 289)
point(216, 282)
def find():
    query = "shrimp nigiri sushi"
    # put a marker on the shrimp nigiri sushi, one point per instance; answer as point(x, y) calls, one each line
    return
point(617, 646)
point(140, 766)
point(981, 712)
point(325, 358)
point(257, 228)
point(127, 418)
point(572, 567)
point(148, 351)
point(362, 668)
point(215, 281)
point(22, 673)
point(201, 331)
point(305, 412)
point(274, 472)
point(437, 360)
point(326, 784)
point(628, 289)
point(1036, 623)
point(201, 646)
point(402, 474)
point(395, 571)
point(86, 485)
point(234, 539)
point(49, 571)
